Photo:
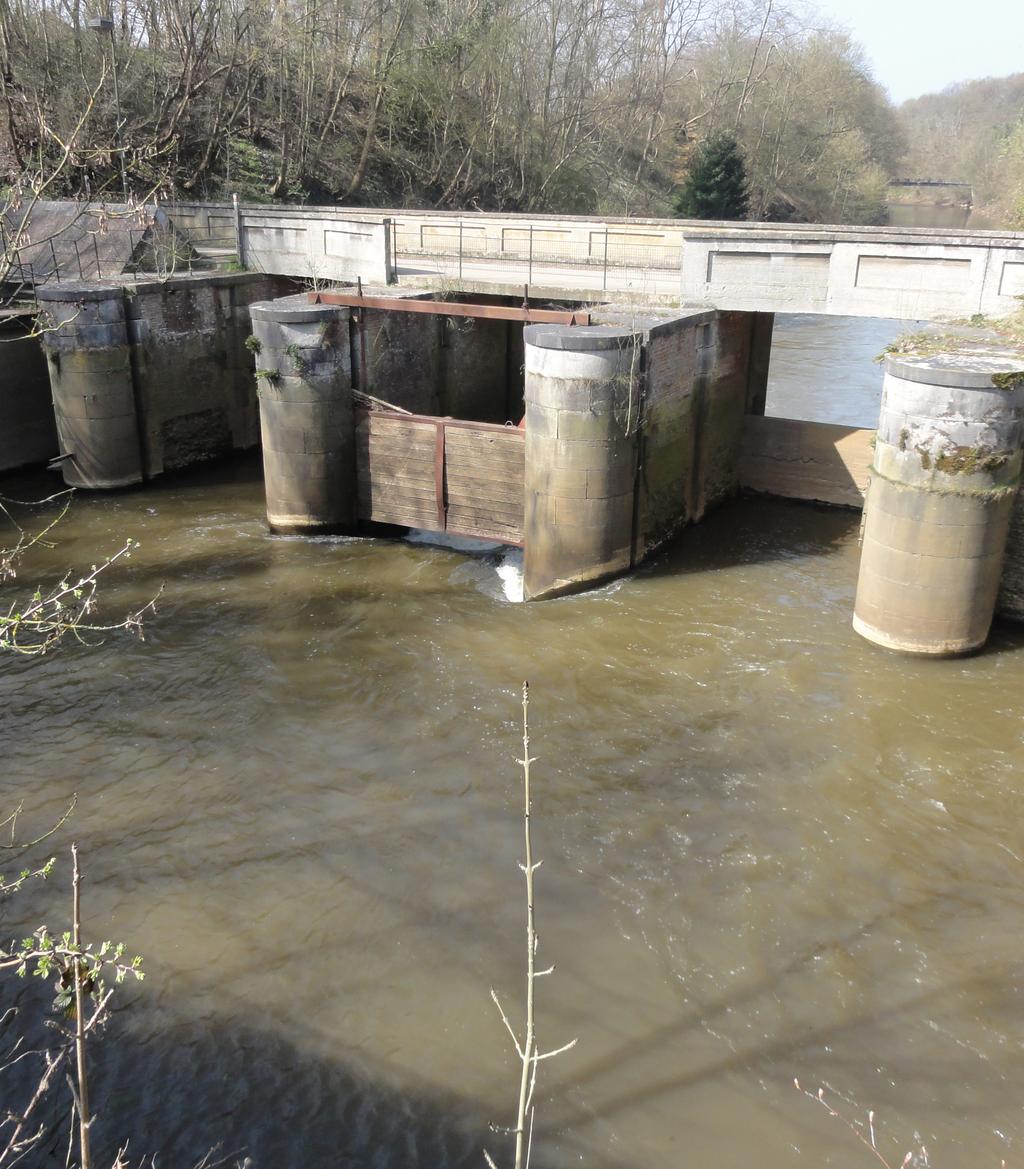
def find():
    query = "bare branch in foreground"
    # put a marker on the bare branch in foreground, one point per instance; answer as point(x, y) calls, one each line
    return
point(527, 1050)
point(866, 1139)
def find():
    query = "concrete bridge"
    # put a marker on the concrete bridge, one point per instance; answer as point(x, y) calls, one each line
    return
point(905, 273)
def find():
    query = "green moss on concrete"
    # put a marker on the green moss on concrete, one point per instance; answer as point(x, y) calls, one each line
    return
point(1008, 381)
point(945, 487)
point(960, 460)
point(919, 344)
point(969, 461)
point(976, 334)
point(302, 365)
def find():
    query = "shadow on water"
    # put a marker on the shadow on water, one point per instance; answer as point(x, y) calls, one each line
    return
point(255, 1090)
point(756, 530)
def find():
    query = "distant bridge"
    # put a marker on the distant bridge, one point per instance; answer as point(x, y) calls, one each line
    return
point(928, 183)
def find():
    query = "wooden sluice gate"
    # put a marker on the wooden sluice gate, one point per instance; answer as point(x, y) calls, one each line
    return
point(440, 474)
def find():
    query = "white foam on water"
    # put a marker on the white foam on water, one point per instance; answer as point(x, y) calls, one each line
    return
point(510, 572)
point(497, 569)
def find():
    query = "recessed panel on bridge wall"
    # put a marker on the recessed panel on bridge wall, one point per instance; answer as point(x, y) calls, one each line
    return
point(546, 241)
point(446, 236)
point(342, 243)
point(919, 274)
point(219, 231)
point(278, 239)
point(796, 280)
point(652, 249)
point(1011, 281)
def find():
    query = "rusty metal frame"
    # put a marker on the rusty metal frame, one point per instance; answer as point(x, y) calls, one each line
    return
point(452, 308)
point(440, 492)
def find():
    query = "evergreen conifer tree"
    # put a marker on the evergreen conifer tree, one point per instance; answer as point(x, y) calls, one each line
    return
point(716, 184)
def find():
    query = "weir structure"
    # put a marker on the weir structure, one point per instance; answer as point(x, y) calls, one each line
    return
point(585, 427)
point(593, 436)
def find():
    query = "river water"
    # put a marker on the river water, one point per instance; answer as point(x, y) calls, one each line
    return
point(771, 850)
point(943, 216)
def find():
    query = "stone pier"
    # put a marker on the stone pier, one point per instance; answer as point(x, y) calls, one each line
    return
point(582, 420)
point(946, 468)
point(304, 373)
point(150, 375)
point(89, 355)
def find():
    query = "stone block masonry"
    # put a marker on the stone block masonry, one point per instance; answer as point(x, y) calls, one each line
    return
point(633, 429)
point(704, 373)
point(93, 388)
point(582, 420)
point(147, 376)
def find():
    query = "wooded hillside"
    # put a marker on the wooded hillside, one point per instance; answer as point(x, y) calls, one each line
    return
point(972, 132)
point(559, 105)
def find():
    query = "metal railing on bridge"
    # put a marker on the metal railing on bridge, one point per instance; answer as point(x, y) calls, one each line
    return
point(62, 258)
point(464, 248)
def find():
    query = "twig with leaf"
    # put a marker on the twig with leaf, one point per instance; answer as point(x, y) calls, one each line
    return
point(31, 625)
point(81, 971)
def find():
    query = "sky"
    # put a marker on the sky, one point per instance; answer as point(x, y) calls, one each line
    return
point(918, 47)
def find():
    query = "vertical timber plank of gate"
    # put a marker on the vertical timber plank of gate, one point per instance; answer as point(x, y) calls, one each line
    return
point(442, 515)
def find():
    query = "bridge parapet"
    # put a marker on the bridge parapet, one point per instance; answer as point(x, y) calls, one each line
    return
point(911, 273)
point(852, 272)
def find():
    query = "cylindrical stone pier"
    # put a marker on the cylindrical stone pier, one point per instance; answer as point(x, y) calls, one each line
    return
point(86, 342)
point(946, 468)
point(582, 413)
point(304, 369)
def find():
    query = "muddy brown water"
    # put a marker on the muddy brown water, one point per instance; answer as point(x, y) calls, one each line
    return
point(771, 850)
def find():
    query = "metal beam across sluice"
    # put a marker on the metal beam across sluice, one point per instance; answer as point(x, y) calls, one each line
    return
point(452, 308)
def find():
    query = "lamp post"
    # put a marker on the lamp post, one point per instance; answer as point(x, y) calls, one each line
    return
point(106, 24)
